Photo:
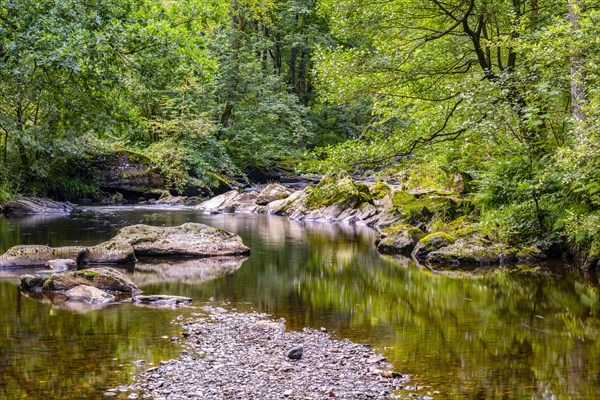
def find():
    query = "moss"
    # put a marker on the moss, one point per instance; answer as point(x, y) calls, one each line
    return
point(379, 190)
point(436, 236)
point(89, 275)
point(338, 190)
point(414, 232)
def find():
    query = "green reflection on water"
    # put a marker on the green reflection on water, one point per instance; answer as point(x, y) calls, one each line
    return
point(509, 334)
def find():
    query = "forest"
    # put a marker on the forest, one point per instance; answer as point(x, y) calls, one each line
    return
point(498, 100)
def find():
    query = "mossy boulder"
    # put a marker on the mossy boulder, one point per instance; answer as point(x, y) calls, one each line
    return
point(128, 171)
point(426, 207)
point(431, 242)
point(31, 255)
point(339, 191)
point(187, 240)
point(105, 279)
point(400, 239)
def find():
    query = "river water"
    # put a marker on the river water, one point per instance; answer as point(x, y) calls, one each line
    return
point(514, 333)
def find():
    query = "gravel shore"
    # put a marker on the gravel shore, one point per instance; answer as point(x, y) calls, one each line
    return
point(230, 355)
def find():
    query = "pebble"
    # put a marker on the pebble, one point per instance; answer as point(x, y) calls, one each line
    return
point(227, 357)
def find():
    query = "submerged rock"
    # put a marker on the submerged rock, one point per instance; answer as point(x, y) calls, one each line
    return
point(36, 206)
point(161, 300)
point(187, 240)
point(106, 279)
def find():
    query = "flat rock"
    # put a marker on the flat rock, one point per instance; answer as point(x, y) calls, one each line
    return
point(36, 206)
point(187, 240)
point(106, 279)
point(160, 300)
point(31, 255)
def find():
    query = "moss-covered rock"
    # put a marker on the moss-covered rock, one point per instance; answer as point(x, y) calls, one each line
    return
point(341, 191)
point(432, 242)
point(111, 252)
point(400, 239)
point(106, 279)
point(187, 240)
point(31, 255)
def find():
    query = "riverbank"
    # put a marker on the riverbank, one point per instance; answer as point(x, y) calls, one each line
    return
point(231, 355)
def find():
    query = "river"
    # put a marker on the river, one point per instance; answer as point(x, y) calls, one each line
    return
point(510, 334)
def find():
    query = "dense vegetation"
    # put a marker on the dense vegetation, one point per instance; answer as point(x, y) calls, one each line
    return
point(497, 99)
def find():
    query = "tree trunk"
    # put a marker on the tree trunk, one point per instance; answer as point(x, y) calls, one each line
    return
point(576, 69)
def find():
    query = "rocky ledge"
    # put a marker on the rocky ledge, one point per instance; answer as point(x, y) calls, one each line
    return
point(232, 355)
point(433, 226)
point(35, 206)
point(187, 240)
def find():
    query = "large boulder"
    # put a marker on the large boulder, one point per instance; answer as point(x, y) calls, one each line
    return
point(128, 172)
point(187, 240)
point(111, 252)
point(222, 203)
point(272, 192)
point(430, 243)
point(36, 206)
point(105, 279)
point(30, 255)
point(89, 294)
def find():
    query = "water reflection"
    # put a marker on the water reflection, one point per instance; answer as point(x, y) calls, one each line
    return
point(519, 333)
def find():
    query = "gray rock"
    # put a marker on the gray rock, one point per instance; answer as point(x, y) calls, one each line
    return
point(89, 294)
point(219, 203)
point(31, 255)
point(36, 206)
point(61, 264)
point(189, 240)
point(295, 353)
point(160, 300)
point(111, 252)
point(430, 243)
point(272, 192)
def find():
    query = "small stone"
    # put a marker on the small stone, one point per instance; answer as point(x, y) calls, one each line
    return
point(133, 396)
point(174, 339)
point(295, 353)
point(323, 329)
point(179, 317)
point(110, 394)
point(139, 363)
point(288, 392)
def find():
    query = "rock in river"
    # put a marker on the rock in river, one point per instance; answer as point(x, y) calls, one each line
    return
point(187, 240)
point(61, 264)
point(89, 294)
point(161, 300)
point(36, 206)
point(106, 279)
point(29, 255)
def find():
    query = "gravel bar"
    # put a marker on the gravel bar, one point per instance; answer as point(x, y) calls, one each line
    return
point(231, 355)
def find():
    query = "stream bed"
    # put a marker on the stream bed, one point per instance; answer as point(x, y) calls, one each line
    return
point(525, 332)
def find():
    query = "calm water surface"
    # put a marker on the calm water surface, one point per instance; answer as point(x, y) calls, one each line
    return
point(509, 335)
